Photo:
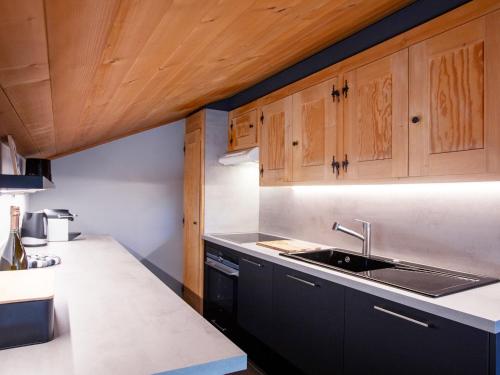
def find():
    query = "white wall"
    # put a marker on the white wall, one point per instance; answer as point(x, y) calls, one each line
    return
point(131, 189)
point(454, 225)
point(7, 200)
point(231, 192)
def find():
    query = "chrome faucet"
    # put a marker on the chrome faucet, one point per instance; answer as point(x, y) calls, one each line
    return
point(366, 235)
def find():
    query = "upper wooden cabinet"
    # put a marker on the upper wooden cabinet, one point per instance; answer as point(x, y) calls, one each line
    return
point(376, 119)
point(453, 110)
point(275, 142)
point(426, 111)
point(314, 135)
point(243, 131)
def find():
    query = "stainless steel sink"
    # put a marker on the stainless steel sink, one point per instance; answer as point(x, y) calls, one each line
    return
point(426, 280)
point(346, 261)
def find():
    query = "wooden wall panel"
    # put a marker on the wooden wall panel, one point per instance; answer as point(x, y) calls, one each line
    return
point(123, 66)
point(25, 100)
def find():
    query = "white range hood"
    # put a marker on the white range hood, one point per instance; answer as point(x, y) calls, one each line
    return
point(239, 157)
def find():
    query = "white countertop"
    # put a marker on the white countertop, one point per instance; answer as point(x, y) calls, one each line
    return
point(113, 316)
point(479, 307)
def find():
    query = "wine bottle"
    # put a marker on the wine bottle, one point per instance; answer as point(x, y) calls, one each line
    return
point(13, 256)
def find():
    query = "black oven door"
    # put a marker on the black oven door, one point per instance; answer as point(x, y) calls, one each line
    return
point(221, 293)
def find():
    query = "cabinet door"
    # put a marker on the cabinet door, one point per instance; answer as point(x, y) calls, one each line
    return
point(308, 321)
point(376, 119)
point(193, 257)
point(255, 297)
point(315, 132)
point(453, 108)
point(385, 338)
point(275, 142)
point(243, 131)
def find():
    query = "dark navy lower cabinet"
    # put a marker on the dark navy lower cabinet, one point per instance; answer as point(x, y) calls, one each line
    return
point(308, 321)
point(255, 297)
point(386, 338)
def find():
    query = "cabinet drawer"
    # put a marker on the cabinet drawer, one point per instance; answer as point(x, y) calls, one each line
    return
point(384, 338)
point(243, 131)
point(308, 321)
point(255, 297)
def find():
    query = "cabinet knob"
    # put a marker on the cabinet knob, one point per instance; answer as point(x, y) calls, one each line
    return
point(250, 126)
point(415, 119)
point(295, 143)
point(195, 222)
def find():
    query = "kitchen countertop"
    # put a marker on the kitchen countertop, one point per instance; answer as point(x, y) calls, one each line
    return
point(113, 316)
point(479, 307)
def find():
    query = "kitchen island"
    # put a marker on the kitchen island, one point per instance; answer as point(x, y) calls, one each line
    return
point(113, 316)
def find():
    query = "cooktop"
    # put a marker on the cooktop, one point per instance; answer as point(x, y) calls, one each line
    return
point(248, 237)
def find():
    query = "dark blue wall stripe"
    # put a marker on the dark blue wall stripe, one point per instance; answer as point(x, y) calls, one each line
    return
point(403, 20)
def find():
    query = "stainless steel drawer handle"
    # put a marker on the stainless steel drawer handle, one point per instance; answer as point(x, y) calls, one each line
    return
point(222, 268)
point(302, 281)
point(251, 262)
point(414, 321)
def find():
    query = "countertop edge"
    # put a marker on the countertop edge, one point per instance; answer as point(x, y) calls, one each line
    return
point(223, 366)
point(380, 290)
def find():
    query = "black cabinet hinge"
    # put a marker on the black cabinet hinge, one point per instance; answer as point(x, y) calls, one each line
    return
point(345, 163)
point(345, 89)
point(335, 94)
point(335, 166)
point(262, 117)
point(262, 170)
point(184, 148)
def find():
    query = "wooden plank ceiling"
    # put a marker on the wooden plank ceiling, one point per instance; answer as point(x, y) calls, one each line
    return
point(77, 73)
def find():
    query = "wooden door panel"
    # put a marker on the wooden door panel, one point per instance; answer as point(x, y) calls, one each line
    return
point(457, 99)
point(192, 194)
point(275, 142)
point(376, 119)
point(315, 132)
point(453, 80)
point(243, 132)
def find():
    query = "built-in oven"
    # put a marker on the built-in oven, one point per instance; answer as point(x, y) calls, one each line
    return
point(221, 288)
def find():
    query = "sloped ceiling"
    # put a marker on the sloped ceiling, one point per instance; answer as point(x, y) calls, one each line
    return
point(77, 73)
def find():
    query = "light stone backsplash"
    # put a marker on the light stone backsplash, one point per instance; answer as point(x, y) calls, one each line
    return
point(231, 192)
point(454, 225)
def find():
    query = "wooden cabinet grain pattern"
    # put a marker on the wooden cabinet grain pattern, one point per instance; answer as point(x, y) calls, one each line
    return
point(454, 80)
point(427, 112)
point(275, 142)
point(315, 132)
point(193, 203)
point(376, 119)
point(243, 131)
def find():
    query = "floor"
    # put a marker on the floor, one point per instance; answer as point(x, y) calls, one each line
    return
point(251, 370)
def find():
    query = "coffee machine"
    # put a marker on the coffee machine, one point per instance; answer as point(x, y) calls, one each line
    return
point(58, 225)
